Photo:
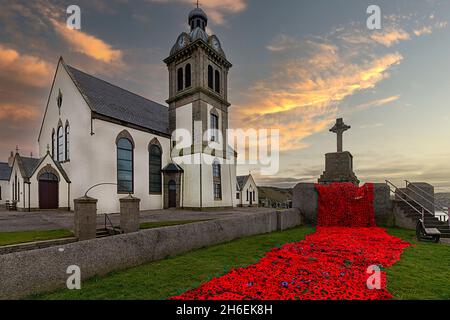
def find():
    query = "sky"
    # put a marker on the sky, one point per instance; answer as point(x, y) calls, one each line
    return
point(297, 66)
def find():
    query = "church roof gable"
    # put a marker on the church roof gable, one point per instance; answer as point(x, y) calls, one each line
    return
point(114, 102)
point(242, 180)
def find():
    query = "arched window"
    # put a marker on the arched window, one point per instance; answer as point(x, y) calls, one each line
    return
point(210, 77)
point(60, 144)
point(48, 176)
point(217, 81)
point(125, 172)
point(217, 180)
point(155, 180)
point(188, 75)
point(53, 144)
point(67, 140)
point(180, 79)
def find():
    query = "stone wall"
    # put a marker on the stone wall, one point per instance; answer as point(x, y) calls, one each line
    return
point(288, 219)
point(383, 206)
point(305, 198)
point(44, 270)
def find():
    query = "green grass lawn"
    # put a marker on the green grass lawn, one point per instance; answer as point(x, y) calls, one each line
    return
point(172, 276)
point(9, 238)
point(160, 224)
point(422, 273)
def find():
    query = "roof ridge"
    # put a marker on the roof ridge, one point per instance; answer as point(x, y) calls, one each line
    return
point(116, 86)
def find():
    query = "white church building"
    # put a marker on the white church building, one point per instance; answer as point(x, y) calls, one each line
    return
point(96, 136)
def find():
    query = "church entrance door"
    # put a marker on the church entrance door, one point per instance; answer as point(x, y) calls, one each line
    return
point(48, 191)
point(172, 194)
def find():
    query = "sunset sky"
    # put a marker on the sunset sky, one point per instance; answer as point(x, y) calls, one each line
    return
point(297, 66)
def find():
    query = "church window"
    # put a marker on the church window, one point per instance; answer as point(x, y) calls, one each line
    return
point(155, 180)
point(67, 140)
point(180, 79)
point(214, 128)
point(217, 180)
point(0, 193)
point(60, 144)
point(188, 75)
point(254, 195)
point(247, 195)
point(53, 145)
point(210, 77)
point(125, 174)
point(217, 81)
point(238, 195)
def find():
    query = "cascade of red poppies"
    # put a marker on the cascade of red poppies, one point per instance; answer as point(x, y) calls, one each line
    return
point(345, 205)
point(331, 264)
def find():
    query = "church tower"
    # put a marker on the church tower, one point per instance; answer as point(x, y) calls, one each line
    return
point(198, 104)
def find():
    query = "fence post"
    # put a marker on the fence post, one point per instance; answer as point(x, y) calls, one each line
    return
point(129, 214)
point(85, 218)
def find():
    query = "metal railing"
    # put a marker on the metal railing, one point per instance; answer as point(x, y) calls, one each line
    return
point(111, 225)
point(433, 203)
point(423, 209)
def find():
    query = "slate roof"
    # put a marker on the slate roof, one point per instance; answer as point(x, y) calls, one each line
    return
point(172, 167)
point(29, 165)
point(242, 180)
point(114, 102)
point(5, 171)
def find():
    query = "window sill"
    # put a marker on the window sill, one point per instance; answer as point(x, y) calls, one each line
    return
point(126, 193)
point(155, 193)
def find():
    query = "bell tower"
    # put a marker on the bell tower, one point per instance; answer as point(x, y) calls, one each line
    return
point(198, 105)
point(198, 83)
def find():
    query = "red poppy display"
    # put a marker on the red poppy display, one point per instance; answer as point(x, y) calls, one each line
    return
point(330, 264)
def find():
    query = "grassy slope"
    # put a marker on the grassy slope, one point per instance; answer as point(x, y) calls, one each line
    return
point(8, 238)
point(166, 278)
point(422, 273)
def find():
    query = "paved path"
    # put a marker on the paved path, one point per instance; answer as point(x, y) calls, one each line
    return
point(54, 220)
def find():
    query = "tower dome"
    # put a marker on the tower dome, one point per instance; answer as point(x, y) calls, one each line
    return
point(198, 19)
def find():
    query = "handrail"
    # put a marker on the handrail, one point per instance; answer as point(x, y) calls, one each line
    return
point(107, 219)
point(409, 197)
point(409, 204)
point(429, 201)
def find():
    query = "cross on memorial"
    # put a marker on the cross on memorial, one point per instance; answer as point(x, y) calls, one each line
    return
point(339, 128)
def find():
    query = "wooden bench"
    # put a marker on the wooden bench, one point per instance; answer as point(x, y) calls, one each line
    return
point(11, 206)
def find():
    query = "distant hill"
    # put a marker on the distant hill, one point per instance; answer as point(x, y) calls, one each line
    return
point(275, 194)
point(442, 199)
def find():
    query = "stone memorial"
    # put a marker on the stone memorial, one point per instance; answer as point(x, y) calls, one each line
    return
point(339, 165)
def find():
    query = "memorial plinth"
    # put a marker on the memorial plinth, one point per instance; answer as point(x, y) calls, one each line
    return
point(339, 165)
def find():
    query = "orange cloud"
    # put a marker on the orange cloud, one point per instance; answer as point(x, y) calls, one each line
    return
point(87, 44)
point(18, 112)
point(390, 37)
point(300, 98)
point(377, 103)
point(23, 68)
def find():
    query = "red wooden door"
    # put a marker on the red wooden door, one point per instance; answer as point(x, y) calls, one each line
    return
point(48, 194)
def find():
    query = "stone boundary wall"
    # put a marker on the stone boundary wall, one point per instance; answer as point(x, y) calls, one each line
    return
point(29, 272)
point(288, 219)
point(305, 198)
